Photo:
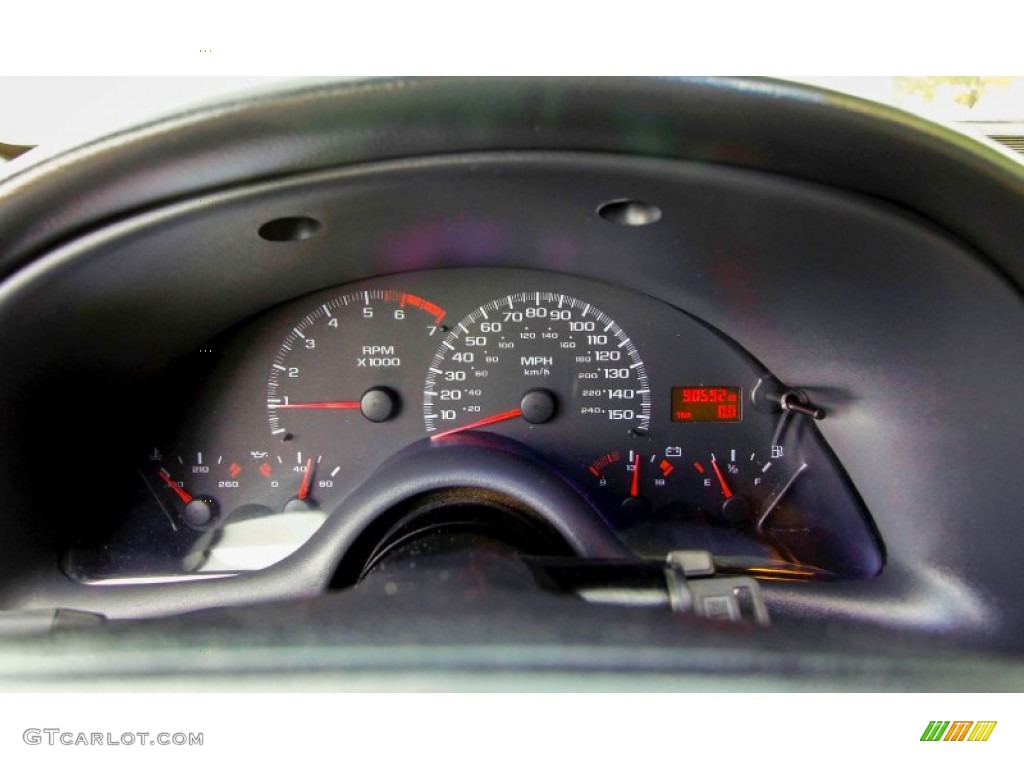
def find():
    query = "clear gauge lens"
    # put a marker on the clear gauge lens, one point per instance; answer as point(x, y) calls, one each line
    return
point(338, 388)
point(195, 488)
point(343, 363)
point(534, 358)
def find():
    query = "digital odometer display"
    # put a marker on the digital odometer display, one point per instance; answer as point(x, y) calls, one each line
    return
point(706, 404)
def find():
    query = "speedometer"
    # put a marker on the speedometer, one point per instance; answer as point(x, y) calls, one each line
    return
point(536, 357)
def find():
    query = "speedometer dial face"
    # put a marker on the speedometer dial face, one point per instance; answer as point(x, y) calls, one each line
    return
point(536, 358)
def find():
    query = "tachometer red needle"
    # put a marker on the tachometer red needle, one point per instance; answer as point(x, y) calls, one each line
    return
point(184, 495)
point(513, 414)
point(721, 479)
point(307, 475)
point(634, 488)
point(329, 404)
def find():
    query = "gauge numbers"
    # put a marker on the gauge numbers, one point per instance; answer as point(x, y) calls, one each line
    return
point(536, 357)
point(348, 355)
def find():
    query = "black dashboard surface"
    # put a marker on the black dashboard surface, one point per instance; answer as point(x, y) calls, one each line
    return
point(892, 317)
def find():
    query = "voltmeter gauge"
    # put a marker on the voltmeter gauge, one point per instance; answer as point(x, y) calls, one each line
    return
point(634, 483)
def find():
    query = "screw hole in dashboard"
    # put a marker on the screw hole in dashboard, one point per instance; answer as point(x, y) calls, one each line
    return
point(290, 229)
point(629, 213)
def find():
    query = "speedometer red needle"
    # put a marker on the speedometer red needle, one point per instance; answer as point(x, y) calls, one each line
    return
point(721, 479)
point(327, 404)
point(184, 495)
point(634, 488)
point(307, 475)
point(507, 415)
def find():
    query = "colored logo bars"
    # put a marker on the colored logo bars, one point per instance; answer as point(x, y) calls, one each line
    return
point(958, 730)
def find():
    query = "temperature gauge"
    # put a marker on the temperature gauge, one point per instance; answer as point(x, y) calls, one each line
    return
point(194, 488)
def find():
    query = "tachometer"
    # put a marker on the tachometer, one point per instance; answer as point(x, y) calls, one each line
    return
point(350, 354)
point(535, 358)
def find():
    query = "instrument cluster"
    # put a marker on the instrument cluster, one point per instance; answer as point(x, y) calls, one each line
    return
point(674, 435)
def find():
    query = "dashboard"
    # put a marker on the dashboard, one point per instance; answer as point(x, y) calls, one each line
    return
point(452, 366)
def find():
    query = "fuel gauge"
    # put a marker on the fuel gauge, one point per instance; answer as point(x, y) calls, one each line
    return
point(737, 486)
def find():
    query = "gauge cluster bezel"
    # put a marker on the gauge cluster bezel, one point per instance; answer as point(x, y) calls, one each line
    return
point(754, 255)
point(681, 495)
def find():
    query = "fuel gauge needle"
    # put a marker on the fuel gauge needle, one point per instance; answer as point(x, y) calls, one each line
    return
point(721, 479)
point(184, 495)
point(307, 475)
point(506, 416)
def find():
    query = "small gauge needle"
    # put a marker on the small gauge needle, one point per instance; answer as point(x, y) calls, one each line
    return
point(307, 475)
point(507, 415)
point(721, 479)
point(333, 404)
point(184, 495)
point(634, 488)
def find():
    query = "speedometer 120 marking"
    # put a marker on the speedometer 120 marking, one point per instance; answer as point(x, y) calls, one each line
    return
point(536, 357)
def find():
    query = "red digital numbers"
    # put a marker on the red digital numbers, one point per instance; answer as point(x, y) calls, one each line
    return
point(706, 404)
point(706, 395)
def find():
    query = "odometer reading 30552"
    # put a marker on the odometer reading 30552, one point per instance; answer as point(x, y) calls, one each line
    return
point(536, 357)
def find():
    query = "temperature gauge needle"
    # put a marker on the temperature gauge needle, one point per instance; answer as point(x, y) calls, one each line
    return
point(307, 475)
point(634, 487)
point(721, 479)
point(184, 495)
point(506, 416)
